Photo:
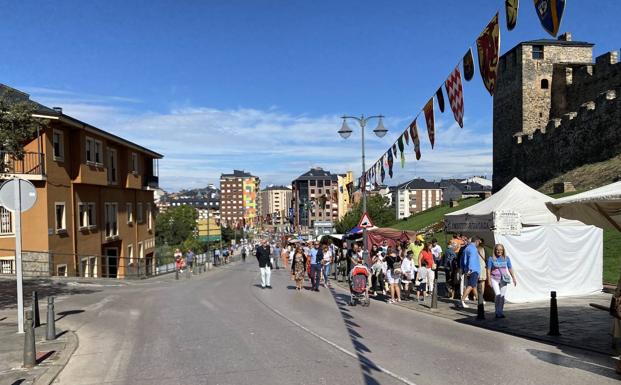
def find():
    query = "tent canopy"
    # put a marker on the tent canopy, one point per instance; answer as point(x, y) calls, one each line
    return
point(515, 196)
point(600, 207)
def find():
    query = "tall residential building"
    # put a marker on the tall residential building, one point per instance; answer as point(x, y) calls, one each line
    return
point(415, 196)
point(345, 193)
point(94, 213)
point(239, 198)
point(275, 204)
point(315, 199)
point(206, 201)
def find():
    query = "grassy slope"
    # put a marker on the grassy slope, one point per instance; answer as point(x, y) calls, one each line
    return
point(612, 238)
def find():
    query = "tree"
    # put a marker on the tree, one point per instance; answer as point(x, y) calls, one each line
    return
point(175, 225)
point(380, 213)
point(17, 125)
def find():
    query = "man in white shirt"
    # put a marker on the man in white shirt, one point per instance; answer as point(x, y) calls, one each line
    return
point(436, 250)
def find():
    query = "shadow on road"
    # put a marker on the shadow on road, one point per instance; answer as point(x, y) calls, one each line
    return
point(65, 313)
point(573, 362)
point(44, 288)
point(369, 368)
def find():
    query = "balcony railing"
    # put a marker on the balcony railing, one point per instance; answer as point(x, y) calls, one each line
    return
point(151, 181)
point(33, 163)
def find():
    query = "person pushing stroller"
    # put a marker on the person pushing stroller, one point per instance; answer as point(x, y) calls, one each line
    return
point(359, 282)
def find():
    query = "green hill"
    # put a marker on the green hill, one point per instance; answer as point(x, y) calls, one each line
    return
point(427, 218)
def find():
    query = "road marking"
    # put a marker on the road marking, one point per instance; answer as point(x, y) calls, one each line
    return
point(334, 345)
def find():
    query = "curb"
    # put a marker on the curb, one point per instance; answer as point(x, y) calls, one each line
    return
point(53, 371)
point(473, 322)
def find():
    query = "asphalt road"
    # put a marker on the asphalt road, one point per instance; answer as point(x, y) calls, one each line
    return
point(222, 328)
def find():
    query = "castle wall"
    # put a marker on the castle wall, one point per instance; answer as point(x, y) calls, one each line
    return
point(591, 134)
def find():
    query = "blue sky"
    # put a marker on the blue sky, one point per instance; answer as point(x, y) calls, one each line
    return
point(259, 85)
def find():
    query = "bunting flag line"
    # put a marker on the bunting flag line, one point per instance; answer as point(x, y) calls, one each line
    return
point(511, 8)
point(406, 135)
point(488, 47)
point(394, 149)
point(390, 162)
point(400, 145)
point(440, 98)
point(430, 121)
point(455, 94)
point(415, 139)
point(468, 63)
point(550, 13)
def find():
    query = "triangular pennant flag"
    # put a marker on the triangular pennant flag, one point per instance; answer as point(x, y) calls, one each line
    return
point(415, 139)
point(383, 172)
point(400, 145)
point(511, 7)
point(468, 62)
point(406, 135)
point(385, 159)
point(394, 149)
point(430, 121)
point(455, 94)
point(390, 162)
point(488, 47)
point(550, 13)
point(440, 99)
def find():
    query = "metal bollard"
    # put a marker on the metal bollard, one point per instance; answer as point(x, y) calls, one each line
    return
point(35, 310)
point(50, 333)
point(30, 352)
point(176, 274)
point(434, 291)
point(554, 330)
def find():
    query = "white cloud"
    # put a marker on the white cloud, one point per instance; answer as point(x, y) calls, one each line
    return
point(199, 143)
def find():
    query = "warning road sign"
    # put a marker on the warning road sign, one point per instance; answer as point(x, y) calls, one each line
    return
point(365, 222)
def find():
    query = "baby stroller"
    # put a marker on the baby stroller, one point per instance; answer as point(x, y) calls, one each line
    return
point(358, 286)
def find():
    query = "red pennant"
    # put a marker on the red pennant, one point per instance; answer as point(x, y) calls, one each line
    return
point(455, 94)
point(488, 47)
point(430, 121)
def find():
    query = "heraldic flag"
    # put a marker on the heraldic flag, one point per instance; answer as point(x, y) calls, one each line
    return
point(415, 139)
point(488, 47)
point(455, 94)
point(428, 109)
point(468, 65)
point(550, 13)
point(511, 7)
point(390, 162)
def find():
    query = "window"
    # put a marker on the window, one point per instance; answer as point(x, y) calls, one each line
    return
point(88, 266)
point(537, 52)
point(111, 211)
point(6, 221)
point(149, 218)
point(57, 143)
point(90, 150)
point(112, 168)
point(139, 213)
point(61, 270)
point(130, 212)
point(98, 152)
point(134, 163)
point(130, 253)
point(61, 225)
point(86, 215)
point(140, 250)
point(544, 84)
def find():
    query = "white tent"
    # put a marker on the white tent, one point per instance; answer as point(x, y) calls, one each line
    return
point(547, 254)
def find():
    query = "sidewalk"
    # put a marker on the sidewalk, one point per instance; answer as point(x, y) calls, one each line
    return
point(52, 356)
point(581, 325)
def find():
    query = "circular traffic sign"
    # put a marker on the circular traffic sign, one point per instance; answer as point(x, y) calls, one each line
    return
point(25, 189)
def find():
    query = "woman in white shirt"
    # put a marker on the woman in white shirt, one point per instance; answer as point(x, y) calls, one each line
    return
point(326, 262)
point(408, 274)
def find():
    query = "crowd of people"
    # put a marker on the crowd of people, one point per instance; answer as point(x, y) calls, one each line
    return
point(403, 271)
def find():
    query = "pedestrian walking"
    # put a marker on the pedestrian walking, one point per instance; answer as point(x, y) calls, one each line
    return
point(450, 268)
point(425, 259)
point(316, 256)
point(471, 268)
point(326, 263)
point(284, 257)
point(394, 276)
point(500, 275)
point(265, 266)
point(298, 267)
point(483, 275)
point(244, 252)
point(408, 273)
point(421, 283)
point(189, 259)
point(276, 256)
point(436, 251)
point(378, 273)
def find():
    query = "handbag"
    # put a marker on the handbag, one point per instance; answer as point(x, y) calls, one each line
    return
point(505, 277)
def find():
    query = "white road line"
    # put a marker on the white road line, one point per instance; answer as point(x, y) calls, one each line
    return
point(334, 345)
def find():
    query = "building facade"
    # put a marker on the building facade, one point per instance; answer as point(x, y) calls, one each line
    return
point(206, 201)
point(554, 110)
point(345, 193)
point(275, 204)
point(239, 199)
point(94, 214)
point(415, 196)
point(315, 200)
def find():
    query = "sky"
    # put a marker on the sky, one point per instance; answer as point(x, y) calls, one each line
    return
point(259, 85)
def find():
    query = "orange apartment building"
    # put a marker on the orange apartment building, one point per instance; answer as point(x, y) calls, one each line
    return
point(94, 214)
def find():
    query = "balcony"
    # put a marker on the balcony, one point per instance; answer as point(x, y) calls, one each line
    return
point(31, 166)
point(151, 181)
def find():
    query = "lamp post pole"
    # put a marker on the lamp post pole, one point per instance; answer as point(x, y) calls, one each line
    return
point(345, 132)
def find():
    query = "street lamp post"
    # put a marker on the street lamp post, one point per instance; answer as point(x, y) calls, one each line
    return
point(345, 132)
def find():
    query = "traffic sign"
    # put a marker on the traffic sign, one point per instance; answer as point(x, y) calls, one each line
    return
point(14, 188)
point(365, 222)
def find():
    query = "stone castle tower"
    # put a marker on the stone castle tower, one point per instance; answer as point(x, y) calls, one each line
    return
point(554, 110)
